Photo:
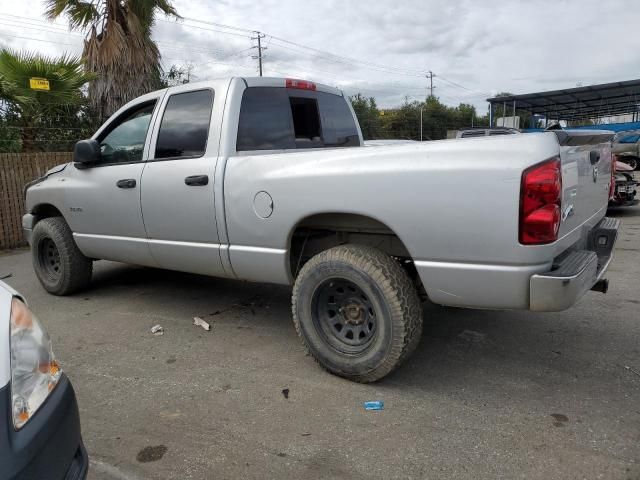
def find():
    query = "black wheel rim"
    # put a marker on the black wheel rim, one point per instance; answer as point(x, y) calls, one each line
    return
point(344, 315)
point(49, 259)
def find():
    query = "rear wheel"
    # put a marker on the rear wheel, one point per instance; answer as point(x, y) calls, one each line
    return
point(58, 263)
point(357, 312)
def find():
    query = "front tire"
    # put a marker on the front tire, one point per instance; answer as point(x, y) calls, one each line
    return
point(357, 312)
point(58, 263)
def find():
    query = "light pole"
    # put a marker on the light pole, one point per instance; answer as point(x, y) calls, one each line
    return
point(421, 110)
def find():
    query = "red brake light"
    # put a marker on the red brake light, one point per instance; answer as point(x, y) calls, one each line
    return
point(540, 198)
point(300, 84)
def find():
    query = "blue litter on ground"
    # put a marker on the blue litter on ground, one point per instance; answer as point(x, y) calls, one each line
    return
point(375, 405)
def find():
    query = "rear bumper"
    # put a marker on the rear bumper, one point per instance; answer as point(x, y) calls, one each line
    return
point(575, 272)
point(49, 446)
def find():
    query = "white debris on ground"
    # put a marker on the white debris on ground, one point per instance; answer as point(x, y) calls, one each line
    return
point(157, 330)
point(200, 322)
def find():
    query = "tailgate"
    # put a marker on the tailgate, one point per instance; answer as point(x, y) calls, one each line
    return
point(586, 176)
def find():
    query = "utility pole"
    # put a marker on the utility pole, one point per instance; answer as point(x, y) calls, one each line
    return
point(259, 36)
point(431, 87)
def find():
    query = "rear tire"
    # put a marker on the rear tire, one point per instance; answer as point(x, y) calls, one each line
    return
point(357, 312)
point(58, 263)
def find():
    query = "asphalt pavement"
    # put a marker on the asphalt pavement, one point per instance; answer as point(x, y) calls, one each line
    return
point(487, 394)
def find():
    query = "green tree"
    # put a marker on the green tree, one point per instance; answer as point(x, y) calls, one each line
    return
point(27, 111)
point(368, 115)
point(118, 47)
point(176, 75)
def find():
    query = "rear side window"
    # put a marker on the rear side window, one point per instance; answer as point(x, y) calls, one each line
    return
point(338, 126)
point(185, 125)
point(265, 120)
point(273, 118)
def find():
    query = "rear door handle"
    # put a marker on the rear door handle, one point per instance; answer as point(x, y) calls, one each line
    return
point(594, 156)
point(126, 183)
point(196, 180)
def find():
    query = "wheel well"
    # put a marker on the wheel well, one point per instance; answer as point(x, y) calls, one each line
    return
point(45, 210)
point(320, 232)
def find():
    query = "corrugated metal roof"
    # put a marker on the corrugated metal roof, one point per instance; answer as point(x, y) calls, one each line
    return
point(578, 103)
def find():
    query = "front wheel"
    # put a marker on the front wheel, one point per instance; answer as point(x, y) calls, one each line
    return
point(58, 263)
point(357, 312)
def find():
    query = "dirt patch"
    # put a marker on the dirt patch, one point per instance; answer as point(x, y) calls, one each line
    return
point(151, 453)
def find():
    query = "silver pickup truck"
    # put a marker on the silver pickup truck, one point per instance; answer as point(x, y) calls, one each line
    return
point(269, 180)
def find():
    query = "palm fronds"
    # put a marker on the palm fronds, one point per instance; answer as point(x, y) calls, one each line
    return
point(66, 76)
point(118, 47)
point(80, 14)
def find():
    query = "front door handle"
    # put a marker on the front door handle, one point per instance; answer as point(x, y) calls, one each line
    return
point(196, 180)
point(126, 183)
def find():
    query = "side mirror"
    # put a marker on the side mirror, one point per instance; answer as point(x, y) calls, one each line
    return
point(86, 152)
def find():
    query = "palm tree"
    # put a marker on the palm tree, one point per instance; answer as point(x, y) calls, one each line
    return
point(66, 77)
point(118, 46)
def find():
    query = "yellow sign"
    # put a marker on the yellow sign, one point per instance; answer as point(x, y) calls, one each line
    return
point(39, 83)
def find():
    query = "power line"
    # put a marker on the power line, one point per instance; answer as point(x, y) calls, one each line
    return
point(206, 22)
point(57, 29)
point(38, 20)
point(462, 86)
point(336, 57)
point(204, 28)
point(37, 39)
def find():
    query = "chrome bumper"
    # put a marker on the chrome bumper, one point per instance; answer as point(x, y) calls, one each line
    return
point(575, 272)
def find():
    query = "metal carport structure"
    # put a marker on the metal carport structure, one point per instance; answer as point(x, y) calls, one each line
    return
point(575, 104)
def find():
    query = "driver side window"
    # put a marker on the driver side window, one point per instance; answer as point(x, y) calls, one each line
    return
point(124, 142)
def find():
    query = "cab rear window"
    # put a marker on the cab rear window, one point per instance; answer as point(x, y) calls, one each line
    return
point(273, 118)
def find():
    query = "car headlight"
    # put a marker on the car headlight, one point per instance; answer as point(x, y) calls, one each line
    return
point(34, 370)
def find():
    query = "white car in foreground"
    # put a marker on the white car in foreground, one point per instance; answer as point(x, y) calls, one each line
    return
point(39, 421)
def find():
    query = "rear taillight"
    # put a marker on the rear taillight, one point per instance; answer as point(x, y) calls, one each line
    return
point(300, 84)
point(540, 199)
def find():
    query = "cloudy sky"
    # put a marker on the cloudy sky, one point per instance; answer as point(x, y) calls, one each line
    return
point(384, 48)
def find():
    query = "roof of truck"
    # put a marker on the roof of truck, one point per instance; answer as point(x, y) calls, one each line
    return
point(284, 82)
point(274, 82)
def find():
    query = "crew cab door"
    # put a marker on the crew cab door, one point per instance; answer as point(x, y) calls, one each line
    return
point(177, 194)
point(103, 199)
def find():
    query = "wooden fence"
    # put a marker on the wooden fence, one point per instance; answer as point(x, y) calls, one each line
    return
point(16, 170)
